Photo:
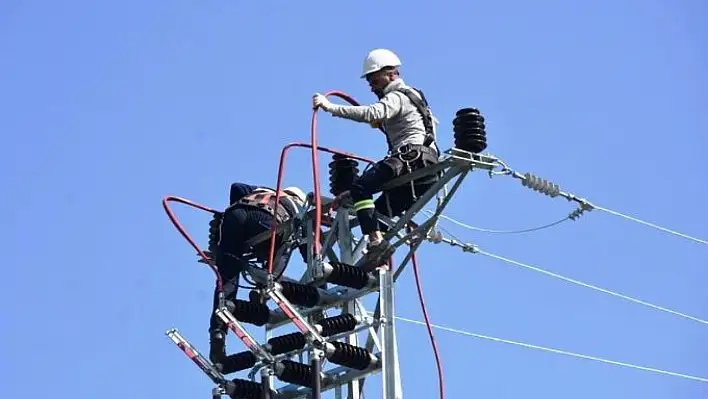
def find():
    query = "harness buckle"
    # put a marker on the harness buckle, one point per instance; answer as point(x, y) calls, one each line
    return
point(408, 153)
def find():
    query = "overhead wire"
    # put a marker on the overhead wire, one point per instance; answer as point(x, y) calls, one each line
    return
point(546, 187)
point(652, 225)
point(475, 249)
point(528, 180)
point(483, 230)
point(557, 351)
point(593, 287)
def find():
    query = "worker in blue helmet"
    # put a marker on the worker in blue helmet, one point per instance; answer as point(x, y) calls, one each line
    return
point(251, 212)
point(402, 112)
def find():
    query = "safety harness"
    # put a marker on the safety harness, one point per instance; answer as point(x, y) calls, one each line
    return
point(264, 198)
point(409, 153)
point(421, 104)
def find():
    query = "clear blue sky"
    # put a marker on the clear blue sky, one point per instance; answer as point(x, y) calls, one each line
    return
point(108, 106)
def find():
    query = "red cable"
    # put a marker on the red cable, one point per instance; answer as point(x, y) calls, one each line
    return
point(318, 216)
point(318, 221)
point(441, 380)
point(315, 176)
point(316, 168)
point(184, 233)
point(281, 168)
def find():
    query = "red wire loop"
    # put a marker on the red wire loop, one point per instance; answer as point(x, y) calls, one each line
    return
point(183, 231)
point(318, 200)
point(315, 177)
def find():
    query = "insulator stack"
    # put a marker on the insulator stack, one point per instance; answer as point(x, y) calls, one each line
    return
point(540, 185)
point(350, 356)
point(469, 128)
point(294, 372)
point(342, 173)
point(245, 389)
point(214, 234)
point(287, 343)
point(300, 294)
point(338, 324)
point(237, 362)
point(250, 312)
point(348, 276)
point(296, 340)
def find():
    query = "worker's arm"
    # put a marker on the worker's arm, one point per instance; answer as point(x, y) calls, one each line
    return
point(240, 190)
point(386, 108)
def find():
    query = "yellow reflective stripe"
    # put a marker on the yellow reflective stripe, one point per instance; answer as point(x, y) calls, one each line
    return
point(364, 204)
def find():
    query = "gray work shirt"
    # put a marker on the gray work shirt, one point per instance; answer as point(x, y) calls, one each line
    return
point(395, 112)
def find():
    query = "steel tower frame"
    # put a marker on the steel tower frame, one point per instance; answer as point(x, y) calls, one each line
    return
point(332, 281)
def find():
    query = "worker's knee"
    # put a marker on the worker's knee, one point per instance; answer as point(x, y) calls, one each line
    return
point(230, 265)
point(360, 191)
point(371, 181)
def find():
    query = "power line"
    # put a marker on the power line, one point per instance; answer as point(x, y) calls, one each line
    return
point(475, 249)
point(546, 187)
point(664, 229)
point(557, 351)
point(483, 230)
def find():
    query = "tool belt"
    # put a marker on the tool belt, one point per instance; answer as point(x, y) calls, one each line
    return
point(414, 152)
point(410, 157)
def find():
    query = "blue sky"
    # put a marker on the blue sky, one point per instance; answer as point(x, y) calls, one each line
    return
point(109, 106)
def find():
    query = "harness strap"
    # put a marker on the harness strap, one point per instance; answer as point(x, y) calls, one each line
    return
point(421, 104)
point(265, 199)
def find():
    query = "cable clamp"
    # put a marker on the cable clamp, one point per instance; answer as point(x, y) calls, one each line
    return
point(503, 169)
point(469, 247)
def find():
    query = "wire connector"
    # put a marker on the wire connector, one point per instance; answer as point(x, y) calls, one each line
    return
point(434, 236)
point(576, 214)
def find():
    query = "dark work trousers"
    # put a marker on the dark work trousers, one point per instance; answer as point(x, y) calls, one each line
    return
point(239, 224)
point(400, 198)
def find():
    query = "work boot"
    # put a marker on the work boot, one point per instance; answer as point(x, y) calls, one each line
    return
point(377, 254)
point(217, 346)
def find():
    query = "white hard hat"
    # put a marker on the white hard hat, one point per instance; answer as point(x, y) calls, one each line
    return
point(297, 193)
point(379, 59)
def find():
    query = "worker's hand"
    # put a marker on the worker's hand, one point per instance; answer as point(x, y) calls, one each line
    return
point(375, 124)
point(320, 101)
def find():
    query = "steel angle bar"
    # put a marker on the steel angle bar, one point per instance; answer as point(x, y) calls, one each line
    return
point(427, 196)
point(419, 173)
point(483, 161)
point(414, 246)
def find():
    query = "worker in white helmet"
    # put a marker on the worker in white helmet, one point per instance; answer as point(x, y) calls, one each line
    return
point(402, 112)
point(251, 212)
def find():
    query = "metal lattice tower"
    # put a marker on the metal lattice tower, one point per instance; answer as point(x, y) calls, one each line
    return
point(325, 303)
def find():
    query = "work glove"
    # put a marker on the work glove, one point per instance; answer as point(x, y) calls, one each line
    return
point(320, 101)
